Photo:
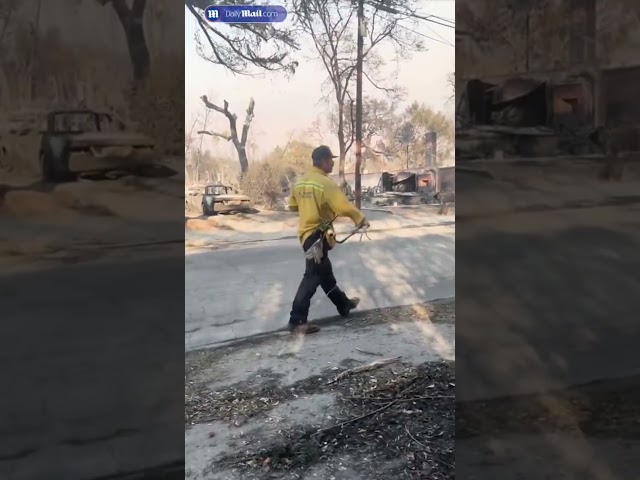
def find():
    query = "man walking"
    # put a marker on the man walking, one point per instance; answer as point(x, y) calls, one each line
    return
point(318, 201)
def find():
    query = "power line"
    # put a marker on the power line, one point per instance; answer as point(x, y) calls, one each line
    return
point(444, 42)
point(439, 36)
point(444, 19)
point(441, 40)
point(428, 18)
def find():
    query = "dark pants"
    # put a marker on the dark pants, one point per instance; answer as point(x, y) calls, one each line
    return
point(316, 274)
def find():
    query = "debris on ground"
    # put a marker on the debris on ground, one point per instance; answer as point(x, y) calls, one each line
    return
point(404, 413)
point(350, 419)
point(365, 368)
point(595, 409)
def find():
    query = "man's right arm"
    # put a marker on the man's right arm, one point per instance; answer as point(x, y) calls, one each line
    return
point(292, 203)
point(340, 204)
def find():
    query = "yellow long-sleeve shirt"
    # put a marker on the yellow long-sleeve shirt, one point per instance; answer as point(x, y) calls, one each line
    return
point(318, 199)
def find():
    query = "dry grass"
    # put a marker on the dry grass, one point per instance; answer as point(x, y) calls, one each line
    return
point(36, 204)
point(205, 225)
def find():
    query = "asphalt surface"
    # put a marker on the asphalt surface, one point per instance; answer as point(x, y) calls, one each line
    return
point(93, 363)
point(547, 301)
point(236, 292)
point(544, 309)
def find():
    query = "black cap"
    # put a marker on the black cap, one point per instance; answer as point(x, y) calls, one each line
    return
point(322, 153)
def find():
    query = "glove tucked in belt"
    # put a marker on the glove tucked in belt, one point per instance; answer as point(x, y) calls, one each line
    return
point(330, 238)
point(316, 251)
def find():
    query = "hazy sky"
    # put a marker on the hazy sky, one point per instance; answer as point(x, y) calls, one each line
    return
point(291, 106)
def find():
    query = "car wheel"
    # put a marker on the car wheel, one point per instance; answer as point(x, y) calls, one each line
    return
point(54, 169)
point(206, 211)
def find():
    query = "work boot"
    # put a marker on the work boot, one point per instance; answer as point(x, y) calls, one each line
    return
point(353, 304)
point(304, 329)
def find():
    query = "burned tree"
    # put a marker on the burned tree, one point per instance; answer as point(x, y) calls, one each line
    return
point(7, 10)
point(331, 25)
point(377, 117)
point(406, 137)
point(239, 142)
point(451, 82)
point(131, 19)
point(616, 144)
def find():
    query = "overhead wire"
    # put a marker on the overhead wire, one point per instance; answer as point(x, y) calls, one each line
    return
point(426, 17)
point(441, 39)
point(444, 42)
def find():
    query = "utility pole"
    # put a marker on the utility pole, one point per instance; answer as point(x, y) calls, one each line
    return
point(361, 28)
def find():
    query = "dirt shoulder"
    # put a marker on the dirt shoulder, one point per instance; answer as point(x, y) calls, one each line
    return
point(282, 407)
point(586, 431)
point(221, 230)
point(52, 224)
point(603, 409)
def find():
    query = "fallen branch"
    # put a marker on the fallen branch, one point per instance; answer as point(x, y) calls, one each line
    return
point(441, 462)
point(353, 420)
point(369, 353)
point(410, 399)
point(364, 368)
point(369, 414)
point(414, 438)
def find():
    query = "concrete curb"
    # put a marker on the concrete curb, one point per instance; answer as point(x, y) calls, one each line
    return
point(322, 322)
point(612, 201)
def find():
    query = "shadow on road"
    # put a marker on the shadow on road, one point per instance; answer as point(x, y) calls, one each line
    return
point(553, 304)
point(539, 313)
point(244, 291)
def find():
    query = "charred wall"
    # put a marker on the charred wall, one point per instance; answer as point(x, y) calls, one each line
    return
point(619, 89)
point(584, 50)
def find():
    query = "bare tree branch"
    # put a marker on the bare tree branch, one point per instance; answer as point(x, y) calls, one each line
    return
point(369, 147)
point(244, 48)
point(213, 134)
point(188, 141)
point(225, 110)
point(329, 23)
point(451, 81)
point(378, 87)
point(247, 121)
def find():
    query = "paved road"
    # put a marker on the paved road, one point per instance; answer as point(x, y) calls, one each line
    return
point(92, 369)
point(546, 299)
point(233, 293)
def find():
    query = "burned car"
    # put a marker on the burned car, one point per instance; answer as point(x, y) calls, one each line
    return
point(19, 139)
point(223, 199)
point(83, 139)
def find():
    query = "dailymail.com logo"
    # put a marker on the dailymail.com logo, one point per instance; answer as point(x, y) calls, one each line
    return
point(245, 13)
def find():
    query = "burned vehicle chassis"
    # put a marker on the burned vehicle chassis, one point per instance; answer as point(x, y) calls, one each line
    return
point(223, 199)
point(58, 144)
